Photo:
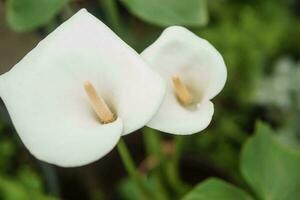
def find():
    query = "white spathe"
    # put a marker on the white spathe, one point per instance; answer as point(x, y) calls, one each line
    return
point(200, 67)
point(46, 100)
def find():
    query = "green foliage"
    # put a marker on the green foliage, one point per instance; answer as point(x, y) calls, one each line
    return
point(216, 189)
point(251, 36)
point(7, 151)
point(26, 186)
point(128, 190)
point(26, 15)
point(271, 169)
point(170, 12)
point(246, 43)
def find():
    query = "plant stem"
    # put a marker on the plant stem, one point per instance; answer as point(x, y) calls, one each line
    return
point(172, 168)
point(169, 165)
point(153, 144)
point(131, 169)
point(52, 183)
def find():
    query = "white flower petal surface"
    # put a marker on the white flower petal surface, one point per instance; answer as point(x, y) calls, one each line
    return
point(200, 67)
point(45, 97)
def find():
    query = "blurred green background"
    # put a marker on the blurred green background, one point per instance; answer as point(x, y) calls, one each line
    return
point(251, 150)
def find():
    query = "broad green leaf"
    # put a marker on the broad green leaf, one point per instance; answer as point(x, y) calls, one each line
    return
point(169, 12)
point(26, 15)
point(216, 189)
point(272, 170)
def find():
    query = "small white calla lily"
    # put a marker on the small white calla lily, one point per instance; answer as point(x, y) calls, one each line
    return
point(50, 106)
point(194, 73)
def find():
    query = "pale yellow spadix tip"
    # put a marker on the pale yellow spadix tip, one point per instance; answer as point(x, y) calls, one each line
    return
point(100, 107)
point(181, 91)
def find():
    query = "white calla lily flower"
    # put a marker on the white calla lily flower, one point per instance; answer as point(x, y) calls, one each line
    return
point(48, 98)
point(194, 72)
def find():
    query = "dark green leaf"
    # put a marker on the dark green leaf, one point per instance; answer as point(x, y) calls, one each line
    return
point(26, 15)
point(271, 169)
point(215, 189)
point(170, 12)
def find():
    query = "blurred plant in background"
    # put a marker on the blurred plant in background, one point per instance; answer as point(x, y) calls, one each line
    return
point(260, 42)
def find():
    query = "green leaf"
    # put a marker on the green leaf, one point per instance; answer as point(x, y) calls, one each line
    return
point(11, 190)
point(26, 186)
point(170, 12)
point(216, 189)
point(26, 15)
point(272, 170)
point(128, 190)
point(7, 151)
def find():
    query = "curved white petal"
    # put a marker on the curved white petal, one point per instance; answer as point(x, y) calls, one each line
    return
point(48, 105)
point(202, 69)
point(181, 121)
point(54, 119)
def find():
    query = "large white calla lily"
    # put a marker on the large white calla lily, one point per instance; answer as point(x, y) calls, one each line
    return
point(194, 73)
point(46, 99)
